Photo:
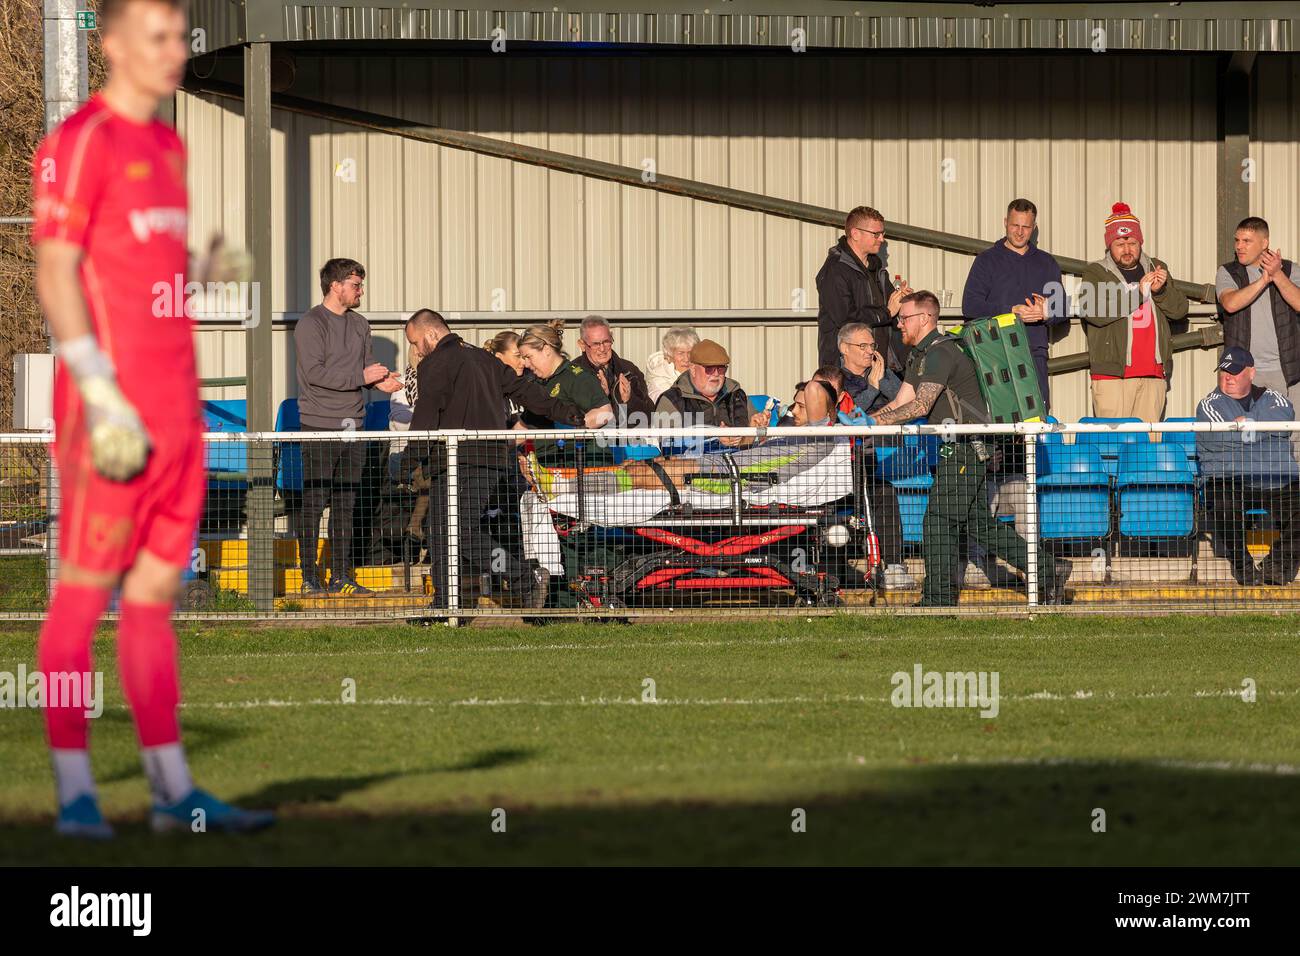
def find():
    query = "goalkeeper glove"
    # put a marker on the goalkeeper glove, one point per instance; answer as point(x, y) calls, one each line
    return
point(119, 444)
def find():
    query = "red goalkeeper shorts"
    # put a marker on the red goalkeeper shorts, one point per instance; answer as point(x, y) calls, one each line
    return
point(103, 524)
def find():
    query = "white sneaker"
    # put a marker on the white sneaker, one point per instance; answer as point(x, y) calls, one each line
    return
point(973, 576)
point(897, 578)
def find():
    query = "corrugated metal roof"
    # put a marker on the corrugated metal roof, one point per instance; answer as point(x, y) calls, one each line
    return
point(749, 24)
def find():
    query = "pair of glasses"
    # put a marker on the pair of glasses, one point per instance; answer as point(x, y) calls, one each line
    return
point(914, 315)
point(879, 234)
point(600, 345)
point(715, 369)
point(861, 346)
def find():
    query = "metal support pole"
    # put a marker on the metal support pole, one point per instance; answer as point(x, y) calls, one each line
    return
point(1233, 149)
point(66, 88)
point(1031, 516)
point(257, 336)
point(167, 111)
point(453, 530)
point(65, 62)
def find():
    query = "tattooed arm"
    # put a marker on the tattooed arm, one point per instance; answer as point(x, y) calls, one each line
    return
point(907, 407)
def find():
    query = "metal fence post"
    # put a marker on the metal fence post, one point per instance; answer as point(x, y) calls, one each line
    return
point(54, 511)
point(453, 530)
point(1031, 516)
point(257, 327)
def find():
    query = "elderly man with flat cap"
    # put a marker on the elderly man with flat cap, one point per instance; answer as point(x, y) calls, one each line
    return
point(704, 395)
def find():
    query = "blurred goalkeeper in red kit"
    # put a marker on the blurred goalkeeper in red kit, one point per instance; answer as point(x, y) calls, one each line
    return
point(111, 214)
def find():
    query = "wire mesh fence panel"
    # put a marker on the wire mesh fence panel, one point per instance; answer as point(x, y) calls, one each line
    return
point(452, 526)
point(26, 493)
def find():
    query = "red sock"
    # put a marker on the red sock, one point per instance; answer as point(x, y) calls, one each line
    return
point(147, 660)
point(64, 647)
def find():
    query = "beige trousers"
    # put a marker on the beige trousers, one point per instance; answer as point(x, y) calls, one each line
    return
point(1141, 398)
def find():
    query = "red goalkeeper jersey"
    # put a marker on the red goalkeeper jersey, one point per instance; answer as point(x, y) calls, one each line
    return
point(116, 188)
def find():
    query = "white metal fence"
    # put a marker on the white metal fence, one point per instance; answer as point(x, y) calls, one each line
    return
point(1086, 517)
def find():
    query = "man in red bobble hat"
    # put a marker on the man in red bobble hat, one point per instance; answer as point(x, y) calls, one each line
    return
point(1126, 301)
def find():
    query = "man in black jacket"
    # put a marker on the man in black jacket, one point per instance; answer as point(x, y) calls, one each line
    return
point(853, 286)
point(622, 381)
point(461, 386)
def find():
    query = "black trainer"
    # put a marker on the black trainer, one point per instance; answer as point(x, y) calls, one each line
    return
point(348, 587)
point(1247, 575)
point(1062, 568)
point(311, 586)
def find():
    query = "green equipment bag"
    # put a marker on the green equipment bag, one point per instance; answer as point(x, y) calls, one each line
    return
point(999, 347)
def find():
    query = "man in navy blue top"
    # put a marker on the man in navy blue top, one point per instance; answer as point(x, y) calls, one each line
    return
point(1249, 470)
point(1014, 275)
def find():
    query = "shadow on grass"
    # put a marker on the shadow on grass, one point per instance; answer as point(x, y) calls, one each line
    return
point(924, 815)
point(322, 790)
point(200, 737)
point(492, 759)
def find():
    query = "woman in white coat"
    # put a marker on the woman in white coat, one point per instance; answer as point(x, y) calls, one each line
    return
point(663, 368)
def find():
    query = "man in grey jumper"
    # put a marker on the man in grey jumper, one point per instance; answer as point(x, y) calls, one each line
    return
point(335, 366)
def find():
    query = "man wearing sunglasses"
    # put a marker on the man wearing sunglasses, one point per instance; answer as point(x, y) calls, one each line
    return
point(704, 395)
point(853, 286)
point(942, 386)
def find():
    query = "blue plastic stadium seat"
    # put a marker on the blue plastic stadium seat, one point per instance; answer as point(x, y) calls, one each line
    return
point(758, 402)
point(1184, 440)
point(909, 466)
point(897, 463)
point(377, 416)
point(913, 497)
point(633, 452)
point(288, 475)
point(1073, 494)
point(1156, 492)
point(927, 448)
point(226, 415)
point(1110, 443)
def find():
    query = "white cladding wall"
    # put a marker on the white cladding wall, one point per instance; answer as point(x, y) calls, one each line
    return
point(935, 142)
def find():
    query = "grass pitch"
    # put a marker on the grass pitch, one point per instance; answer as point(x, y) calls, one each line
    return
point(752, 721)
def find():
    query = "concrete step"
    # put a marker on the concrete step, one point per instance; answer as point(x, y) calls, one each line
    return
point(233, 552)
point(288, 580)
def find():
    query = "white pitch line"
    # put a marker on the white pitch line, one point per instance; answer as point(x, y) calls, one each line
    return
point(429, 703)
point(601, 646)
point(575, 646)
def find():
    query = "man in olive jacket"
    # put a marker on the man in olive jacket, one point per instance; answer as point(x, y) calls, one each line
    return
point(1126, 301)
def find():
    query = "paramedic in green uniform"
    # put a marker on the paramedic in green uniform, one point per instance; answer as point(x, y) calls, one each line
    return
point(542, 351)
point(940, 385)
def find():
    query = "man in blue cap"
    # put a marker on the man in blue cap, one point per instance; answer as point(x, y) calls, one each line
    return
point(1249, 470)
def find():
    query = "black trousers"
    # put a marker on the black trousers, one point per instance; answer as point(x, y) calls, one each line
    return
point(959, 505)
point(490, 534)
point(1226, 502)
point(331, 475)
